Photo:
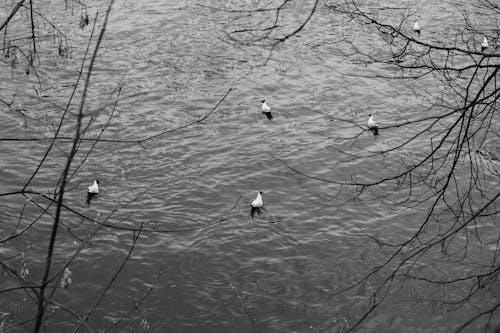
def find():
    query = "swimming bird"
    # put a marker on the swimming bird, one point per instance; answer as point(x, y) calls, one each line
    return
point(94, 188)
point(484, 44)
point(372, 125)
point(266, 109)
point(416, 28)
point(257, 204)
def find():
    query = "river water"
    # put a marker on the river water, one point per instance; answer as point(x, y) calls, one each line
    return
point(174, 61)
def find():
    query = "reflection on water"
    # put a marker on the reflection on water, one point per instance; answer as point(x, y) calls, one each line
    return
point(228, 273)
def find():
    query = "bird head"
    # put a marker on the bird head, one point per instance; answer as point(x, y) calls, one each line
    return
point(260, 192)
point(263, 101)
point(370, 115)
point(97, 181)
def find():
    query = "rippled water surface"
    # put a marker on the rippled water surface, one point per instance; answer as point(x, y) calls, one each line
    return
point(174, 61)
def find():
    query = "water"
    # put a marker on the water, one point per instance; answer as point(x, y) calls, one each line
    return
point(174, 61)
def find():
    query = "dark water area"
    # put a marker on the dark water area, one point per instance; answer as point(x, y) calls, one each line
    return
point(226, 272)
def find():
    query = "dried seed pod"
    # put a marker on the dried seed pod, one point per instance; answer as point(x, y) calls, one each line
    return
point(7, 52)
point(66, 278)
point(63, 50)
point(24, 270)
point(84, 20)
point(13, 58)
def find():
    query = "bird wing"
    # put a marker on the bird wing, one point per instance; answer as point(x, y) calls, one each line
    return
point(94, 189)
point(257, 203)
point(371, 123)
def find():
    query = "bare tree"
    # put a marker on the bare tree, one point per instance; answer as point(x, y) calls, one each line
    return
point(447, 159)
point(50, 216)
point(56, 273)
point(453, 171)
point(448, 155)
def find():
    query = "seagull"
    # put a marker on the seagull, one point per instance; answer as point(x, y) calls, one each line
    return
point(92, 191)
point(266, 109)
point(416, 27)
point(485, 44)
point(372, 125)
point(94, 188)
point(257, 204)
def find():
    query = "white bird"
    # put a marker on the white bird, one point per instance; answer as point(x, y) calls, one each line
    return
point(94, 188)
point(257, 204)
point(372, 125)
point(416, 27)
point(484, 44)
point(266, 109)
